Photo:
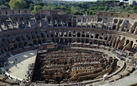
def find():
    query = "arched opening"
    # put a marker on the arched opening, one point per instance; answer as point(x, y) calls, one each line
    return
point(78, 40)
point(20, 45)
point(91, 36)
point(100, 43)
point(105, 38)
point(30, 44)
point(82, 41)
point(101, 37)
point(87, 36)
point(44, 40)
point(131, 43)
point(57, 40)
point(35, 42)
point(78, 34)
point(73, 40)
point(114, 27)
point(53, 40)
point(25, 43)
point(61, 34)
point(33, 37)
point(69, 34)
point(59, 23)
point(47, 35)
point(115, 21)
point(96, 36)
point(83, 35)
point(74, 35)
point(69, 24)
point(27, 38)
point(56, 35)
point(95, 41)
point(70, 40)
point(66, 41)
point(15, 46)
point(42, 35)
point(52, 35)
point(39, 42)
point(127, 41)
point(104, 43)
point(61, 40)
point(87, 41)
point(100, 19)
point(65, 34)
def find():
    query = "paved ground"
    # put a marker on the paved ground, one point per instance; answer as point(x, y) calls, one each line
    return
point(17, 68)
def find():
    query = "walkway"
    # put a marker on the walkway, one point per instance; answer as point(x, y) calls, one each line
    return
point(126, 81)
point(18, 64)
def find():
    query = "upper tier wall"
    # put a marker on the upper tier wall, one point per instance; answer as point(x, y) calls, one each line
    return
point(14, 12)
point(120, 15)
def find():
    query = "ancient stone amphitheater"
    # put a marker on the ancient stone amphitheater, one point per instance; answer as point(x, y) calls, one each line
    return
point(71, 49)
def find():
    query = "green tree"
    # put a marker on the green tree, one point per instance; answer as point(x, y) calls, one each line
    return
point(17, 4)
point(46, 7)
point(28, 2)
point(77, 10)
point(31, 6)
point(106, 8)
point(4, 7)
point(135, 9)
point(50, 6)
point(121, 3)
point(63, 7)
point(37, 7)
point(74, 10)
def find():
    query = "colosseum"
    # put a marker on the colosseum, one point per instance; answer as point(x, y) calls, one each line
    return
point(51, 48)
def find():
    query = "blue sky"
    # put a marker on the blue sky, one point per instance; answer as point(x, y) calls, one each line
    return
point(77, 0)
point(82, 0)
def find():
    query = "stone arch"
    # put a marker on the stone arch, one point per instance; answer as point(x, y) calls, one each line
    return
point(34, 42)
point(70, 34)
point(53, 40)
point(66, 41)
point(127, 41)
point(42, 35)
point(82, 41)
point(83, 35)
point(39, 41)
point(15, 46)
point(25, 43)
point(51, 35)
point(44, 40)
point(131, 43)
point(87, 35)
point(96, 36)
point(70, 40)
point(78, 40)
point(87, 40)
point(78, 34)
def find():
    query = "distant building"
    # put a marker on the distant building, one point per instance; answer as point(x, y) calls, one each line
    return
point(52, 1)
point(132, 3)
point(107, 0)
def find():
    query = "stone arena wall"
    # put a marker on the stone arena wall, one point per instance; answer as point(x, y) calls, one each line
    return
point(20, 30)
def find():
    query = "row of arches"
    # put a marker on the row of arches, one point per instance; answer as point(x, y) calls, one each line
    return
point(63, 37)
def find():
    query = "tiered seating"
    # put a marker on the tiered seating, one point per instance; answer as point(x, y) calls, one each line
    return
point(4, 81)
